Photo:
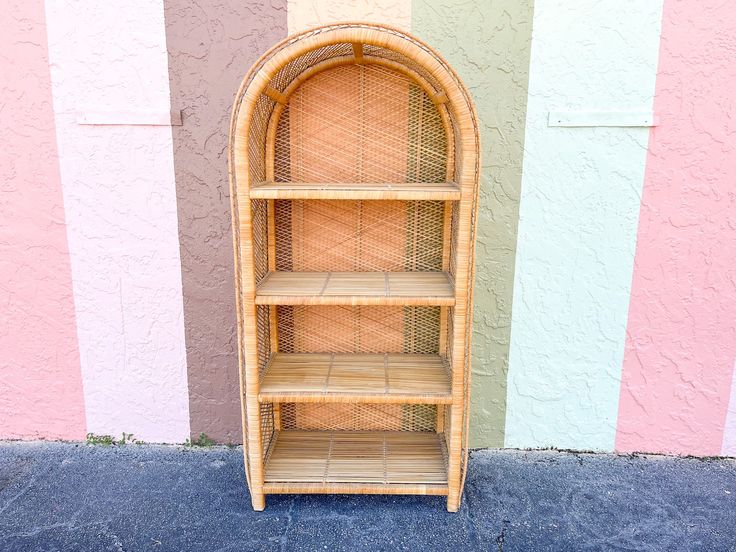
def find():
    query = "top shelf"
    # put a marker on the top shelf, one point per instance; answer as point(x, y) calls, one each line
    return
point(418, 191)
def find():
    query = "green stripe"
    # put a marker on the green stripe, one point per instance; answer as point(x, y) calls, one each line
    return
point(488, 44)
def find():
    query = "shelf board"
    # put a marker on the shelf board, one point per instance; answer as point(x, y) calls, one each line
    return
point(333, 461)
point(355, 288)
point(367, 378)
point(423, 191)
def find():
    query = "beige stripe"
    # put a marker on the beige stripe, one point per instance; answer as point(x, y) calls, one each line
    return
point(303, 14)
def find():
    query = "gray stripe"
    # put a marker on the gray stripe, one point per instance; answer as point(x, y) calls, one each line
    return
point(211, 46)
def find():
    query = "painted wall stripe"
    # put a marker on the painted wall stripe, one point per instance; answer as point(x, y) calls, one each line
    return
point(40, 378)
point(303, 14)
point(211, 47)
point(488, 44)
point(728, 447)
point(118, 184)
point(681, 341)
point(578, 220)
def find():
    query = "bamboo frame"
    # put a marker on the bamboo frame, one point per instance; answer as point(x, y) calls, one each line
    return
point(459, 121)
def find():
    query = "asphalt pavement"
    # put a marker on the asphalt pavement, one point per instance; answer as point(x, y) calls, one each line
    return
point(70, 497)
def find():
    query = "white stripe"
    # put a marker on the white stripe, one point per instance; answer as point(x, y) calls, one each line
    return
point(729, 431)
point(120, 203)
point(579, 211)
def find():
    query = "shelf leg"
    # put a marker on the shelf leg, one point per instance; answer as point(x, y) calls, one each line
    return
point(453, 501)
point(258, 500)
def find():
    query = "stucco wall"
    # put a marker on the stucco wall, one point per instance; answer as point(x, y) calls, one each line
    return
point(109, 60)
point(40, 379)
point(580, 195)
point(493, 61)
point(210, 47)
point(677, 393)
point(604, 303)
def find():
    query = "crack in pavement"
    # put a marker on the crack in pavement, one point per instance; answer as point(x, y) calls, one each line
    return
point(501, 538)
point(282, 540)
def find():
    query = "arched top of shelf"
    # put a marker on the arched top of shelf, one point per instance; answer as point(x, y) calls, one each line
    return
point(274, 79)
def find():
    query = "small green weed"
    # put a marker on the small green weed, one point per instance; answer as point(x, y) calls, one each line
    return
point(107, 440)
point(201, 441)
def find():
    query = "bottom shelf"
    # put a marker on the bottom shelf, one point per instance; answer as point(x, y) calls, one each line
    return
point(357, 462)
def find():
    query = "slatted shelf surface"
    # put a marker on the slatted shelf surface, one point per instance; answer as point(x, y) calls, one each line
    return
point(356, 288)
point(446, 191)
point(325, 377)
point(400, 458)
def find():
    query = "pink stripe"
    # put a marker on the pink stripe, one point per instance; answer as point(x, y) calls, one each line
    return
point(681, 338)
point(40, 378)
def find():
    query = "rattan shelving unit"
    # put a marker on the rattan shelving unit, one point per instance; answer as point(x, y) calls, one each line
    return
point(354, 182)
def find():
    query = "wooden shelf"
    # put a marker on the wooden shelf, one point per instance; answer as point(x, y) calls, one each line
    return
point(325, 461)
point(386, 378)
point(355, 288)
point(423, 191)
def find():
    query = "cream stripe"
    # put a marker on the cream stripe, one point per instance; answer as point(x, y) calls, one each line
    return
point(303, 14)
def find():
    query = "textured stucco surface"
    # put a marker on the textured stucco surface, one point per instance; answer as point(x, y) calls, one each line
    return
point(681, 336)
point(40, 377)
point(488, 45)
point(580, 196)
point(116, 284)
point(211, 47)
point(118, 183)
point(303, 14)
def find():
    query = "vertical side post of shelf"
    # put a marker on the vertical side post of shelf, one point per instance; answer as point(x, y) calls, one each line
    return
point(444, 311)
point(440, 102)
point(273, 321)
point(250, 384)
point(270, 151)
point(250, 346)
point(463, 250)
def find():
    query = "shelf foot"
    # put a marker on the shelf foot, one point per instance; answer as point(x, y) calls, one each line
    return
point(258, 501)
point(453, 502)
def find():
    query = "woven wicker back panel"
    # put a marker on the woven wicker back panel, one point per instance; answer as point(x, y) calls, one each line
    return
point(359, 417)
point(346, 329)
point(389, 236)
point(358, 123)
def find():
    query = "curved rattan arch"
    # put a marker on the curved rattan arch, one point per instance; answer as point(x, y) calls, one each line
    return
point(263, 83)
point(281, 101)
